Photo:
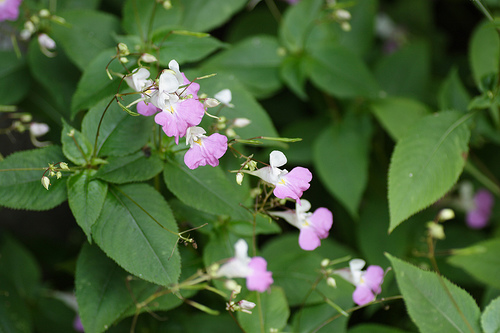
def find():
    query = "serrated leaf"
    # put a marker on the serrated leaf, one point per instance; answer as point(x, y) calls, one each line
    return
point(490, 320)
point(132, 238)
point(103, 294)
point(452, 94)
point(93, 29)
point(76, 147)
point(341, 155)
point(274, 310)
point(429, 304)
point(480, 260)
point(311, 318)
point(398, 114)
point(484, 51)
point(86, 197)
point(375, 328)
point(120, 134)
point(426, 163)
point(206, 189)
point(131, 168)
point(20, 186)
point(202, 15)
point(13, 73)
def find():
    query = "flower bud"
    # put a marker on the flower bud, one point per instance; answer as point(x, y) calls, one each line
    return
point(46, 182)
point(44, 13)
point(446, 214)
point(52, 173)
point(123, 60)
point(58, 175)
point(71, 133)
point(211, 103)
point(149, 58)
point(325, 262)
point(232, 285)
point(239, 178)
point(167, 4)
point(252, 165)
point(26, 118)
point(345, 26)
point(123, 49)
point(231, 133)
point(246, 306)
point(342, 14)
point(39, 129)
point(64, 165)
point(331, 282)
point(241, 122)
point(436, 230)
point(46, 42)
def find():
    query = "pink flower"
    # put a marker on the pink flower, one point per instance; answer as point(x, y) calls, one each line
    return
point(77, 324)
point(9, 10)
point(313, 226)
point(479, 216)
point(204, 150)
point(241, 266)
point(146, 109)
point(368, 283)
point(287, 184)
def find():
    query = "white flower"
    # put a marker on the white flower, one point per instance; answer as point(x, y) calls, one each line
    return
point(39, 129)
point(225, 97)
point(139, 79)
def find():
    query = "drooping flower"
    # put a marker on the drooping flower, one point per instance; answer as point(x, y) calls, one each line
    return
point(204, 150)
point(9, 10)
point(287, 184)
point(368, 283)
point(479, 216)
point(313, 226)
point(224, 96)
point(139, 80)
point(242, 266)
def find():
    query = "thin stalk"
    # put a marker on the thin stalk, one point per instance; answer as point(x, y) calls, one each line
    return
point(483, 9)
point(94, 154)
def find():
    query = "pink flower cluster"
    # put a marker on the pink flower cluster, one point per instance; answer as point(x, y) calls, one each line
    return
point(9, 10)
point(173, 99)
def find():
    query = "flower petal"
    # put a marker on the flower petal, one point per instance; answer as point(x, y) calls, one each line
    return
point(308, 239)
point(363, 295)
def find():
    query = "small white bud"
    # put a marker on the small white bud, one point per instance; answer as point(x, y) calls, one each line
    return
point(211, 103)
point(241, 122)
point(325, 262)
point(123, 49)
point(26, 118)
point(436, 230)
point(64, 165)
point(39, 129)
point(25, 34)
point(58, 175)
point(239, 178)
point(46, 182)
point(345, 26)
point(52, 173)
point(331, 282)
point(231, 133)
point(149, 58)
point(225, 97)
point(342, 14)
point(167, 4)
point(232, 285)
point(46, 42)
point(252, 165)
point(246, 306)
point(44, 13)
point(71, 133)
point(28, 25)
point(446, 214)
point(123, 60)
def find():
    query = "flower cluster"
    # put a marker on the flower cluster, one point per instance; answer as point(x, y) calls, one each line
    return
point(174, 102)
point(242, 266)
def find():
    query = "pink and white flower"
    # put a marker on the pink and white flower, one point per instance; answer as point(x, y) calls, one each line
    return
point(242, 266)
point(9, 10)
point(287, 184)
point(368, 283)
point(204, 150)
point(313, 226)
point(139, 80)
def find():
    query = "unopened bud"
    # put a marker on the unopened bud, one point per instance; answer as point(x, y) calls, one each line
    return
point(446, 214)
point(39, 129)
point(58, 19)
point(252, 165)
point(231, 133)
point(35, 19)
point(64, 166)
point(331, 282)
point(225, 97)
point(345, 26)
point(58, 175)
point(211, 103)
point(28, 25)
point(232, 285)
point(149, 58)
point(46, 182)
point(123, 49)
point(325, 262)
point(52, 173)
point(241, 122)
point(44, 13)
point(123, 60)
point(46, 42)
point(167, 4)
point(436, 230)
point(239, 178)
point(26, 118)
point(342, 15)
point(71, 133)
point(246, 306)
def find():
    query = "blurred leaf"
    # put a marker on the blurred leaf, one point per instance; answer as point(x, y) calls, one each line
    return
point(58, 75)
point(398, 114)
point(131, 168)
point(452, 94)
point(103, 294)
point(77, 4)
point(52, 315)
point(374, 328)
point(426, 163)
point(263, 225)
point(406, 72)
point(297, 22)
point(120, 134)
point(484, 52)
point(22, 189)
point(340, 72)
point(296, 270)
point(14, 312)
point(130, 236)
point(19, 266)
point(429, 304)
point(205, 188)
point(202, 15)
point(13, 73)
point(480, 260)
point(86, 198)
point(341, 155)
point(490, 320)
point(273, 308)
point(293, 72)
point(95, 84)
point(360, 38)
point(79, 152)
point(310, 318)
point(94, 30)
point(254, 61)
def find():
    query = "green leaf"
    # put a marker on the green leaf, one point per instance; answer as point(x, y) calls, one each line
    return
point(480, 260)
point(426, 163)
point(77, 4)
point(20, 183)
point(297, 22)
point(398, 114)
point(13, 73)
point(206, 189)
point(375, 328)
point(95, 84)
point(263, 225)
point(19, 266)
point(202, 15)
point(274, 310)
point(103, 294)
point(52, 315)
point(296, 270)
point(76, 147)
point(15, 314)
point(293, 72)
point(484, 52)
point(310, 318)
point(341, 155)
point(86, 198)
point(340, 72)
point(132, 238)
point(406, 72)
point(254, 61)
point(131, 168)
point(452, 94)
point(429, 304)
point(490, 321)
point(120, 134)
point(184, 48)
point(94, 30)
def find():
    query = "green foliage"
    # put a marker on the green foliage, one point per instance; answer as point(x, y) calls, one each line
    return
point(14, 72)
point(426, 163)
point(75, 146)
point(434, 303)
point(490, 322)
point(483, 52)
point(131, 168)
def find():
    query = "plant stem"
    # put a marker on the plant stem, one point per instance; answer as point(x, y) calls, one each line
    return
point(483, 9)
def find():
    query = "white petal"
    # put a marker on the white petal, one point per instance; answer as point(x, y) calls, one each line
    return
point(356, 265)
point(174, 65)
point(303, 206)
point(224, 96)
point(193, 133)
point(277, 159)
point(168, 82)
